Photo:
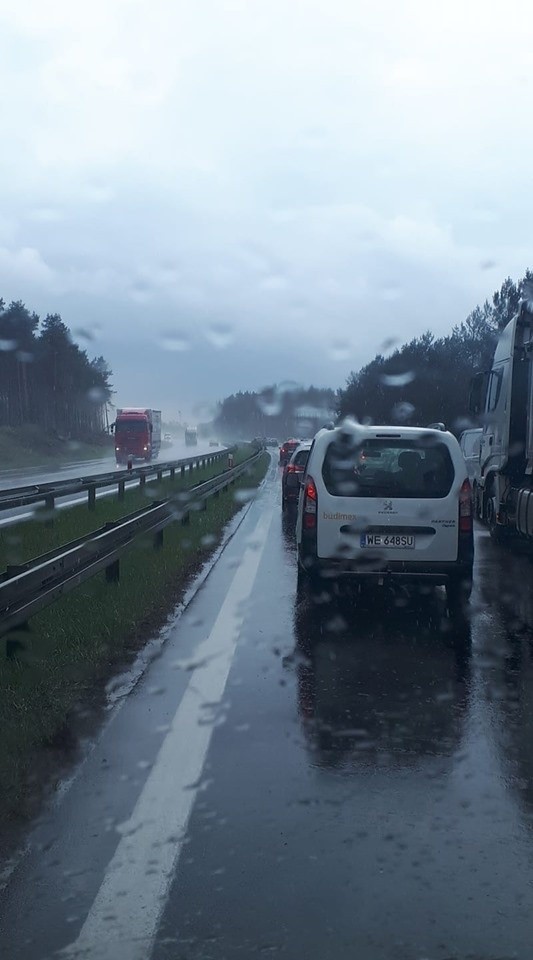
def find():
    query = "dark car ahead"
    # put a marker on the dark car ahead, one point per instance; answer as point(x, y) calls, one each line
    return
point(293, 471)
point(286, 451)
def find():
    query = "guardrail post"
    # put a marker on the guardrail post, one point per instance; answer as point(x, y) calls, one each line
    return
point(186, 519)
point(159, 475)
point(182, 471)
point(91, 497)
point(142, 479)
point(158, 539)
point(112, 572)
point(121, 488)
point(172, 473)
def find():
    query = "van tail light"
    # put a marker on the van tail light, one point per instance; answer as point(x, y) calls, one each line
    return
point(465, 508)
point(310, 502)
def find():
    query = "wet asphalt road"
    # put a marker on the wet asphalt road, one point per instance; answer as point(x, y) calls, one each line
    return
point(287, 780)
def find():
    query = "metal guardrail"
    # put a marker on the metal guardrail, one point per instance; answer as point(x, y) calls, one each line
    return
point(28, 588)
point(48, 493)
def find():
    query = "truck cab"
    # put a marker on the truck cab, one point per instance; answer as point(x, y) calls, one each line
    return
point(137, 434)
point(502, 398)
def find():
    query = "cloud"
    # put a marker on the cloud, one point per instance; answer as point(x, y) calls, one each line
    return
point(298, 172)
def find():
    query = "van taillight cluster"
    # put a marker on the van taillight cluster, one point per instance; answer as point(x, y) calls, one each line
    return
point(465, 508)
point(310, 502)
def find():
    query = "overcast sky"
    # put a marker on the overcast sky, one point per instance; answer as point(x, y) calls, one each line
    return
point(224, 194)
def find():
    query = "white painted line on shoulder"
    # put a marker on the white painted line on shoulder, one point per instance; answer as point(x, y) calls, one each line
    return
point(124, 917)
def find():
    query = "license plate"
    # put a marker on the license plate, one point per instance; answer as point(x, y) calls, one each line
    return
point(394, 541)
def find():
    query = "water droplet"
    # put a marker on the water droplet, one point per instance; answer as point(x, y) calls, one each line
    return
point(289, 386)
point(83, 333)
point(24, 356)
point(269, 402)
point(339, 350)
point(403, 411)
point(243, 496)
point(388, 345)
point(96, 395)
point(174, 341)
point(208, 540)
point(7, 345)
point(488, 264)
point(220, 335)
point(397, 379)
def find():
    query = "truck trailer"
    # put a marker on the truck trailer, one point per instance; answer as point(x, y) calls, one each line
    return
point(503, 400)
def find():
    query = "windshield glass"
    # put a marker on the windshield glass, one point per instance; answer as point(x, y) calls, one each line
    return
point(131, 426)
point(261, 704)
point(385, 468)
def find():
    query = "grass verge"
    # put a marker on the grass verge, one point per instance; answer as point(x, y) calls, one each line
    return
point(23, 541)
point(28, 446)
point(75, 643)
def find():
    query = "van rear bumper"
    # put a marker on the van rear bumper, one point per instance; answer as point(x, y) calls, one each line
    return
point(437, 573)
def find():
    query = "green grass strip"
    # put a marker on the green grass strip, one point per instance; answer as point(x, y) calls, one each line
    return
point(23, 541)
point(81, 637)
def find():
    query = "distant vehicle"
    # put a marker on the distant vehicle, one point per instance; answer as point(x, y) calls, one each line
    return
point(191, 437)
point(213, 443)
point(470, 443)
point(384, 504)
point(258, 443)
point(503, 397)
point(293, 472)
point(167, 438)
point(137, 434)
point(272, 442)
point(286, 451)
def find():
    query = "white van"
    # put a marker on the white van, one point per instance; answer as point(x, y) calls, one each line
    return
point(382, 503)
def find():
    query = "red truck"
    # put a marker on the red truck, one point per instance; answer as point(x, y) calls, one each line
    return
point(137, 434)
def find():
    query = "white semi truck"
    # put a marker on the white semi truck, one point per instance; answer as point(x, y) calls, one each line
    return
point(502, 398)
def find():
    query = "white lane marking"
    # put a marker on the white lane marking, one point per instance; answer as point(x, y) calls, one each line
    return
point(124, 917)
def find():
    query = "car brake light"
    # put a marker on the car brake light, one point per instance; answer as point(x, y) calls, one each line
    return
point(310, 502)
point(465, 508)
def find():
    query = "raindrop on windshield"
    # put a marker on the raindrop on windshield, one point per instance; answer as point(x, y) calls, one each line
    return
point(175, 341)
point(220, 335)
point(388, 345)
point(397, 379)
point(339, 350)
point(96, 395)
point(243, 496)
point(270, 402)
point(403, 411)
point(7, 345)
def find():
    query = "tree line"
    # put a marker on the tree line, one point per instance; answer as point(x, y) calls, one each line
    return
point(46, 379)
point(279, 411)
point(428, 379)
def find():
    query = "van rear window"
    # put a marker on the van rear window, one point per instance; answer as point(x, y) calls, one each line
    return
point(388, 468)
